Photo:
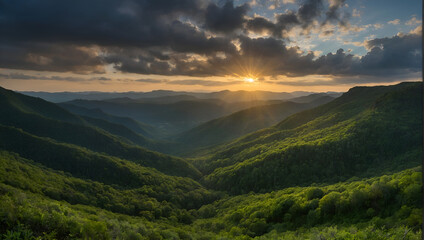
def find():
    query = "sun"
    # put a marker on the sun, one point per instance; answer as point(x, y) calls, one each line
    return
point(249, 79)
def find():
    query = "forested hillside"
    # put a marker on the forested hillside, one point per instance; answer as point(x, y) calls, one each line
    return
point(346, 169)
point(230, 127)
point(366, 132)
point(135, 126)
point(43, 121)
point(386, 207)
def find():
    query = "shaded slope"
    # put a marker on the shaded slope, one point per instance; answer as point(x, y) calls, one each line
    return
point(369, 130)
point(160, 100)
point(314, 97)
point(26, 104)
point(171, 118)
point(86, 136)
point(227, 128)
point(136, 126)
point(121, 131)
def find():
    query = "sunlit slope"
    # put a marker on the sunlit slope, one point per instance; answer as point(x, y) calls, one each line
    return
point(230, 127)
point(38, 201)
point(355, 209)
point(82, 177)
point(367, 131)
point(26, 115)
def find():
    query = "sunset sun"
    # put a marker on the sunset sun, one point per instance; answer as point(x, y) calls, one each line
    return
point(249, 80)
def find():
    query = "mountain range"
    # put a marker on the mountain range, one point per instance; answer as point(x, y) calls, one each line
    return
point(225, 95)
point(313, 166)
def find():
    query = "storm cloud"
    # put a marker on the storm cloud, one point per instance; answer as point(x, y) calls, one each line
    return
point(226, 18)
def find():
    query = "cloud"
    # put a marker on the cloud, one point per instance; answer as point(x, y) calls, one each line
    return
point(394, 22)
point(307, 15)
point(49, 57)
point(226, 18)
point(334, 13)
point(395, 53)
point(20, 76)
point(389, 57)
point(191, 38)
point(356, 13)
point(413, 21)
point(61, 37)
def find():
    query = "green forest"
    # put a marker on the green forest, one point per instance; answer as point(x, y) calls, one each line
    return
point(334, 168)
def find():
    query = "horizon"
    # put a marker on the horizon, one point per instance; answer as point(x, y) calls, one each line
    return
point(219, 90)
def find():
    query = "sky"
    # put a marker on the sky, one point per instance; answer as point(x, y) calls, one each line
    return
point(208, 45)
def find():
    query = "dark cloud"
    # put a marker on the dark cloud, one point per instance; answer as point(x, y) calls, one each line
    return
point(103, 22)
point(184, 37)
point(398, 52)
point(49, 57)
point(272, 57)
point(226, 18)
point(20, 76)
point(334, 13)
point(261, 25)
point(47, 31)
point(308, 12)
point(285, 22)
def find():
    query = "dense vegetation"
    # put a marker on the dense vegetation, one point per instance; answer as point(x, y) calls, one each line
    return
point(348, 169)
point(365, 132)
point(385, 202)
point(44, 122)
point(387, 207)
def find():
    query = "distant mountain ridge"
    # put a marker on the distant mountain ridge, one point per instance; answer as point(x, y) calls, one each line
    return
point(225, 95)
point(240, 123)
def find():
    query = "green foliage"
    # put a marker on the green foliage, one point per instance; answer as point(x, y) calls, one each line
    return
point(155, 195)
point(314, 193)
point(384, 203)
point(68, 128)
point(332, 172)
point(285, 214)
point(365, 132)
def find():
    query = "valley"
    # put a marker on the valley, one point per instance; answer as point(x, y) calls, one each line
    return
point(206, 166)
